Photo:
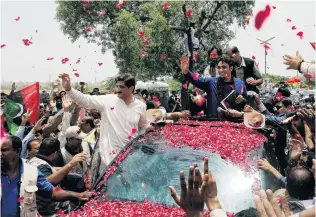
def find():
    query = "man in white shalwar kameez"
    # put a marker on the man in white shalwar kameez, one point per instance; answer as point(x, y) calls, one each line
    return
point(121, 114)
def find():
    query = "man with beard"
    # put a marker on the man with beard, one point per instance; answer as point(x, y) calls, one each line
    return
point(122, 116)
point(218, 89)
point(211, 70)
point(246, 69)
point(20, 181)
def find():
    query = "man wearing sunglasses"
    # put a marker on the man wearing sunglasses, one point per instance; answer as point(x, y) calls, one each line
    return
point(121, 114)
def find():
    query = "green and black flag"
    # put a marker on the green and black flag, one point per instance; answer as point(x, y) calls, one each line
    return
point(19, 102)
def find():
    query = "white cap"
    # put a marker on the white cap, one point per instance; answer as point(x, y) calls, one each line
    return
point(75, 132)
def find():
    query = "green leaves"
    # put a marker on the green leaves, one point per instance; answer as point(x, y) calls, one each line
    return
point(117, 29)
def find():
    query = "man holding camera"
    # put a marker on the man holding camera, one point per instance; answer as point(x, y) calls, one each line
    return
point(211, 70)
point(246, 69)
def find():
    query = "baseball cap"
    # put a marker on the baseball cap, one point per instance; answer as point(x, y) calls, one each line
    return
point(75, 132)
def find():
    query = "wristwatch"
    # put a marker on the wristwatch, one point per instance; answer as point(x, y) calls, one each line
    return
point(299, 66)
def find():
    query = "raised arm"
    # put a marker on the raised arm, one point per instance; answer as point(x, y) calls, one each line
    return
point(200, 82)
point(84, 100)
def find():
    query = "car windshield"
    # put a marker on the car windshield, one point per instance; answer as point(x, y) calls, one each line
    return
point(146, 175)
point(152, 165)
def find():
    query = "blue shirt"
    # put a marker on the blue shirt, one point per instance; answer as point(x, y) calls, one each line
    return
point(10, 191)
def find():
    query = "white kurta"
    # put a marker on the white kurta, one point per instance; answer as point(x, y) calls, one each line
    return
point(117, 120)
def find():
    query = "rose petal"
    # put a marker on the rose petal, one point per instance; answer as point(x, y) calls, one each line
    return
point(112, 108)
point(293, 27)
point(188, 13)
point(17, 19)
point(3, 45)
point(50, 58)
point(288, 20)
point(313, 45)
point(20, 199)
point(253, 57)
point(76, 74)
point(163, 57)
point(100, 64)
point(166, 5)
point(300, 34)
point(273, 7)
point(266, 47)
point(262, 16)
point(195, 57)
point(143, 53)
point(195, 76)
point(141, 34)
point(88, 29)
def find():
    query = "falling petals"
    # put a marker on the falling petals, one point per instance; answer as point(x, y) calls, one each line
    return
point(188, 13)
point(3, 45)
point(195, 76)
point(288, 20)
point(143, 53)
point(17, 19)
point(301, 86)
point(297, 80)
point(100, 64)
point(266, 47)
point(300, 34)
point(64, 60)
point(133, 132)
point(309, 76)
point(146, 41)
point(273, 7)
point(195, 57)
point(88, 29)
point(185, 85)
point(27, 42)
point(213, 55)
point(293, 27)
point(20, 199)
point(76, 74)
point(313, 45)
point(78, 61)
point(166, 5)
point(257, 64)
point(247, 20)
point(112, 108)
point(119, 6)
point(262, 16)
point(253, 57)
point(163, 57)
point(50, 58)
point(141, 34)
point(101, 14)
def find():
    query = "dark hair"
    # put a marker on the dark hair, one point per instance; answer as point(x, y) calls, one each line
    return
point(29, 144)
point(89, 121)
point(251, 212)
point(96, 89)
point(16, 143)
point(300, 183)
point(235, 49)
point(49, 146)
point(219, 51)
point(4, 94)
point(128, 79)
point(95, 114)
point(150, 105)
point(58, 97)
point(287, 102)
point(226, 59)
point(284, 91)
point(62, 92)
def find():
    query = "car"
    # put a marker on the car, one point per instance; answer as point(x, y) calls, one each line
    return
point(136, 181)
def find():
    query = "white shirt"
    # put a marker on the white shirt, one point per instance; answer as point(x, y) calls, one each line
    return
point(117, 120)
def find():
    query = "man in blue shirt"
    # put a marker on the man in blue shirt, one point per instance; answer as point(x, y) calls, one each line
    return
point(218, 88)
point(12, 171)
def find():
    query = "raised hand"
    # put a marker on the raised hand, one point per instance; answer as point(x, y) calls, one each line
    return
point(65, 81)
point(192, 197)
point(26, 117)
point(67, 102)
point(292, 61)
point(268, 206)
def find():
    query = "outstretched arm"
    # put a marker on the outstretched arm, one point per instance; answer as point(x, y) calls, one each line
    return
point(200, 82)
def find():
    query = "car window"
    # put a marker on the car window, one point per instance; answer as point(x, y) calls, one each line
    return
point(145, 175)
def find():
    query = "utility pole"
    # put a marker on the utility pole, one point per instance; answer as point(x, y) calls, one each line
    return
point(265, 52)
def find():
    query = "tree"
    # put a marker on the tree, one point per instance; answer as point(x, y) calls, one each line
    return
point(118, 29)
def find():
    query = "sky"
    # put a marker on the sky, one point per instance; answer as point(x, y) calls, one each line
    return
point(22, 63)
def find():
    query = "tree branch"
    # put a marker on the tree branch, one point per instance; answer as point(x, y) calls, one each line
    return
point(179, 28)
point(198, 33)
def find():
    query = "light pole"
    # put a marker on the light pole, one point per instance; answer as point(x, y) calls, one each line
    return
point(265, 52)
